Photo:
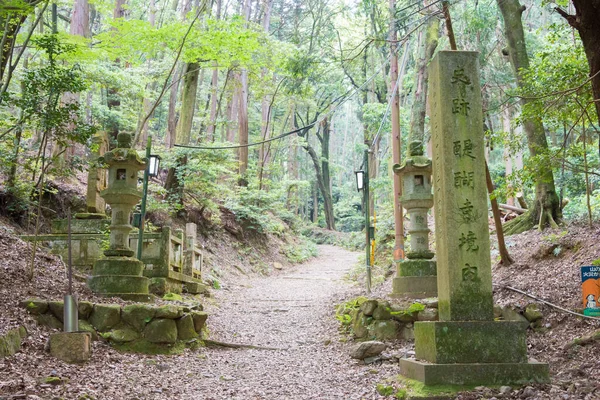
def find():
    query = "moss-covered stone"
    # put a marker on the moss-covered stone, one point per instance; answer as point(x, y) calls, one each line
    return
point(117, 284)
point(35, 306)
point(447, 342)
point(138, 315)
point(123, 334)
point(84, 309)
point(172, 297)
point(168, 311)
point(359, 325)
point(105, 316)
point(57, 308)
point(10, 342)
point(49, 320)
point(382, 312)
point(368, 307)
point(384, 330)
point(417, 268)
point(85, 326)
point(161, 331)
point(185, 328)
point(71, 347)
point(118, 266)
point(532, 313)
point(199, 318)
point(428, 314)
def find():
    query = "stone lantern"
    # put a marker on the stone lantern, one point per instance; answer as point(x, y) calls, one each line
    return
point(118, 273)
point(416, 276)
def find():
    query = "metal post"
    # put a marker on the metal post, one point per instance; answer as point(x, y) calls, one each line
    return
point(144, 195)
point(70, 313)
point(367, 220)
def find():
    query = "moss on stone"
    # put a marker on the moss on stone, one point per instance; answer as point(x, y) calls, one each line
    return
point(35, 306)
point(49, 320)
point(123, 334)
point(199, 318)
point(105, 316)
point(384, 330)
point(172, 297)
point(138, 315)
point(57, 308)
point(85, 309)
point(85, 326)
point(10, 343)
point(161, 331)
point(185, 328)
point(168, 311)
point(146, 347)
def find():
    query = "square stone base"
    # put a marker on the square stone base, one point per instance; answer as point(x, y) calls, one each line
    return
point(71, 347)
point(414, 287)
point(475, 374)
point(448, 342)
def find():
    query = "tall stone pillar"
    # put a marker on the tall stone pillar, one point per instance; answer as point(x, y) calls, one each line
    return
point(189, 256)
point(118, 273)
point(466, 346)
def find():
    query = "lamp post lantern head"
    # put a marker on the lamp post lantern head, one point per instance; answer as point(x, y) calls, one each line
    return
point(360, 180)
point(153, 165)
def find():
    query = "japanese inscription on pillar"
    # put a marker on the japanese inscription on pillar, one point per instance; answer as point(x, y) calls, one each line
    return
point(462, 233)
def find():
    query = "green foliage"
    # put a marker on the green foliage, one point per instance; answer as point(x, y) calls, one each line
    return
point(384, 390)
point(172, 297)
point(297, 253)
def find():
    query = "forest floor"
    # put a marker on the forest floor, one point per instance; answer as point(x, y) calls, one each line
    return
point(293, 312)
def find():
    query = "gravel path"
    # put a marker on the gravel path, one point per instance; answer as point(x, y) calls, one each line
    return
point(292, 310)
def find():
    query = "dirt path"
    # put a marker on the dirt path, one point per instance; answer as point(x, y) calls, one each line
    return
point(292, 311)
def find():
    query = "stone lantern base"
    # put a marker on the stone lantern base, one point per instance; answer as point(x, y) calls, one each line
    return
point(415, 279)
point(120, 277)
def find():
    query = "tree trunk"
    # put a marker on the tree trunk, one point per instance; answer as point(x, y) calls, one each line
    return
point(188, 103)
point(587, 22)
point(547, 205)
point(243, 127)
point(172, 113)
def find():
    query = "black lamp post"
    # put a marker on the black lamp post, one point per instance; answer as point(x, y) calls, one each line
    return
point(362, 183)
point(152, 169)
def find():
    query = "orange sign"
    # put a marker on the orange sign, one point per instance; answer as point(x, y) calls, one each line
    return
point(590, 287)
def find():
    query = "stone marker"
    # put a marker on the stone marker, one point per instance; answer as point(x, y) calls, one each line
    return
point(466, 346)
point(71, 347)
point(416, 276)
point(119, 274)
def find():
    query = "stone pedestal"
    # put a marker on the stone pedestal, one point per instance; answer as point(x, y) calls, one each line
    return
point(466, 347)
point(71, 347)
point(119, 274)
point(416, 276)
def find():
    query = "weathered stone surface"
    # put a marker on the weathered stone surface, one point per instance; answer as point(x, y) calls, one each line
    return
point(417, 268)
point(461, 223)
point(57, 308)
point(382, 312)
point(407, 332)
point(199, 318)
point(84, 309)
point(475, 374)
point(117, 284)
point(509, 314)
point(532, 313)
point(85, 326)
point(359, 325)
point(185, 328)
point(168, 311)
point(10, 342)
point(161, 331)
point(137, 315)
point(123, 334)
point(49, 320)
point(447, 342)
point(384, 330)
point(367, 349)
point(414, 287)
point(105, 316)
point(71, 347)
point(368, 307)
point(35, 306)
point(428, 314)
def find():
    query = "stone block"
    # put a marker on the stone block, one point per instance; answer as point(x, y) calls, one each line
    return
point(160, 286)
point(199, 318)
point(137, 315)
point(118, 266)
point(123, 334)
point(118, 284)
point(368, 307)
point(71, 347)
point(35, 306)
point(161, 331)
point(417, 268)
point(475, 374)
point(359, 325)
point(382, 312)
point(168, 311)
point(384, 330)
point(10, 342)
point(448, 342)
point(414, 287)
point(195, 287)
point(105, 316)
point(367, 349)
point(185, 328)
point(49, 320)
point(57, 308)
point(85, 326)
point(84, 309)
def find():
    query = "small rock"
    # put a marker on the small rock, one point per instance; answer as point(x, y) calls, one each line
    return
point(367, 349)
point(368, 307)
point(371, 360)
point(532, 313)
point(382, 313)
point(428, 314)
point(277, 265)
point(505, 390)
point(527, 393)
